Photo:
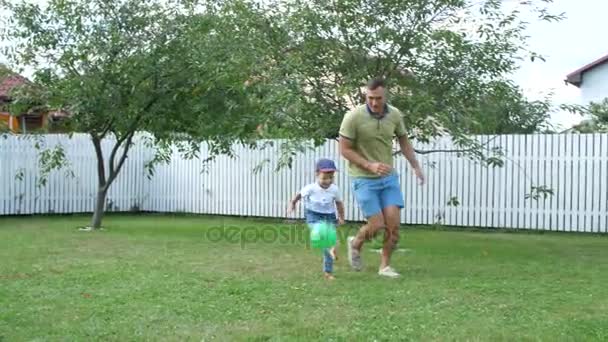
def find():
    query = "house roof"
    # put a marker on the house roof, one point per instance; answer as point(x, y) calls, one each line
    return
point(8, 83)
point(576, 77)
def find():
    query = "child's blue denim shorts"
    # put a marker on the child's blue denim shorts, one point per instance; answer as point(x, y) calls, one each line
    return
point(313, 217)
point(375, 194)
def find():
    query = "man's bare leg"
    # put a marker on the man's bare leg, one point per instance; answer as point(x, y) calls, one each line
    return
point(366, 232)
point(391, 234)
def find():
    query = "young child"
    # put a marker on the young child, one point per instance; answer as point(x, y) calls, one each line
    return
point(320, 202)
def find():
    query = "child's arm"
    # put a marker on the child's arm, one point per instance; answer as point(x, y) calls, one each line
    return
point(340, 207)
point(292, 204)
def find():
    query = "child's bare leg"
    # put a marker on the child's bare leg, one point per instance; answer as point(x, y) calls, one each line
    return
point(333, 253)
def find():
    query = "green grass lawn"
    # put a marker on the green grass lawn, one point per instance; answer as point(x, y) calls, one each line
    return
point(169, 278)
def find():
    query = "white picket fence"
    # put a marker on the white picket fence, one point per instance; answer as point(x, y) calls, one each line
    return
point(575, 167)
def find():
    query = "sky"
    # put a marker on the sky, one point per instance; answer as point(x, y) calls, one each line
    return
point(567, 45)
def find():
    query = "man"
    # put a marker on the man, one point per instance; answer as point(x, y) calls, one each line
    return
point(366, 141)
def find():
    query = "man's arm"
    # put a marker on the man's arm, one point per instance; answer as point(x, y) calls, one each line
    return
point(348, 133)
point(348, 152)
point(408, 152)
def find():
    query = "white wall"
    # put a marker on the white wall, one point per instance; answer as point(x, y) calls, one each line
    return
point(574, 166)
point(594, 87)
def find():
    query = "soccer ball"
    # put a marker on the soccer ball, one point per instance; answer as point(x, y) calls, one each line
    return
point(323, 235)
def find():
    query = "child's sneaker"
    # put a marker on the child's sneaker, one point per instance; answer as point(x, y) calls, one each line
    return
point(388, 272)
point(329, 276)
point(354, 256)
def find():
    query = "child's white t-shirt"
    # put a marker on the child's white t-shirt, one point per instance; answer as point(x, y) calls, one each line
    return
point(320, 200)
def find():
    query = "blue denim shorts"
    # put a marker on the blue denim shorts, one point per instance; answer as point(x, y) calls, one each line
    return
point(313, 217)
point(375, 194)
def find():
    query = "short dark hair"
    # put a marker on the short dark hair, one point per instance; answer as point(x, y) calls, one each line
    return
point(376, 83)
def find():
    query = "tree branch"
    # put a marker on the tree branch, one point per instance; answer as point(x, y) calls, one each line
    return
point(127, 137)
point(437, 151)
point(441, 150)
point(399, 54)
point(101, 170)
point(115, 150)
point(107, 129)
point(461, 150)
point(318, 88)
point(123, 157)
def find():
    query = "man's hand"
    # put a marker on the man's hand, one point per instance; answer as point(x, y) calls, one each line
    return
point(379, 169)
point(420, 175)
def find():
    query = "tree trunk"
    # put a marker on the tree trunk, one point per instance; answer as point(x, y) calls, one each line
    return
point(114, 169)
point(100, 204)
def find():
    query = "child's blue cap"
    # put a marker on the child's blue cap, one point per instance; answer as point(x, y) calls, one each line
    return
point(326, 165)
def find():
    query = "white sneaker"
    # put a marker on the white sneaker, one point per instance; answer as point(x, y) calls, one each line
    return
point(389, 272)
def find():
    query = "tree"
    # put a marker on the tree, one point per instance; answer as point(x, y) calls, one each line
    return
point(598, 118)
point(447, 62)
point(212, 71)
point(505, 110)
point(128, 66)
